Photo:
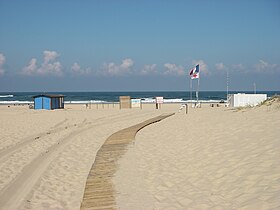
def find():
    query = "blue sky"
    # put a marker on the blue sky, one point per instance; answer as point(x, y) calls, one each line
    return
point(67, 45)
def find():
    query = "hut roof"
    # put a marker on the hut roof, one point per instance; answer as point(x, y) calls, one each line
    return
point(49, 95)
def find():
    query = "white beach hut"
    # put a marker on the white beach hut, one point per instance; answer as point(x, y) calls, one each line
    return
point(242, 99)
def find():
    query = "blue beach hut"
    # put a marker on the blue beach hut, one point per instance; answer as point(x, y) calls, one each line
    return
point(48, 101)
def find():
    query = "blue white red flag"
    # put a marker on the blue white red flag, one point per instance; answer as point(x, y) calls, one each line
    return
point(194, 73)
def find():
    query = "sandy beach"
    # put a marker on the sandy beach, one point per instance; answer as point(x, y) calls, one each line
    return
point(210, 158)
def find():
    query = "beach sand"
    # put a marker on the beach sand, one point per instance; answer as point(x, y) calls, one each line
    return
point(212, 157)
point(45, 156)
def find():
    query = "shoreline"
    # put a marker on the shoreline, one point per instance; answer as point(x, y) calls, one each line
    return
point(89, 102)
point(8, 98)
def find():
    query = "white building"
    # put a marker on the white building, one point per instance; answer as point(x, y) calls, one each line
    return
point(242, 99)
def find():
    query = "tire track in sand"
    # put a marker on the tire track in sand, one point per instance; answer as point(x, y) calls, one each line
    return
point(12, 195)
point(11, 148)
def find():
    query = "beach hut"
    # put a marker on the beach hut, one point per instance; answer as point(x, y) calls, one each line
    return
point(125, 102)
point(242, 99)
point(48, 101)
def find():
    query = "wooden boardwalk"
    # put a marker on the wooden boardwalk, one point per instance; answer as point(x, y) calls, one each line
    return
point(99, 189)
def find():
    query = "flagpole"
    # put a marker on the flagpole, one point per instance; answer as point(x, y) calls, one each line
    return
point(197, 90)
point(227, 85)
point(191, 89)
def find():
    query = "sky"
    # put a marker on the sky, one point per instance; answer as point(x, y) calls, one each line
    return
point(126, 45)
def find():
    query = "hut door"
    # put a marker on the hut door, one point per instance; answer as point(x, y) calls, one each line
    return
point(47, 103)
point(39, 103)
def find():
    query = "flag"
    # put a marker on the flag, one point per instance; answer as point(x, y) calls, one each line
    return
point(194, 73)
point(191, 71)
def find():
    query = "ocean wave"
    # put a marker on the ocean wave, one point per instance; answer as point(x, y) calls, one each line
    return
point(179, 100)
point(153, 100)
point(148, 100)
point(16, 102)
point(6, 96)
point(86, 102)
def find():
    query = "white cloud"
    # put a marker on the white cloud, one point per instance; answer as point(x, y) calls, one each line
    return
point(173, 69)
point(76, 69)
point(2, 62)
point(127, 63)
point(221, 67)
point(31, 68)
point(49, 66)
point(238, 67)
point(111, 69)
point(202, 66)
point(149, 69)
point(50, 56)
point(264, 66)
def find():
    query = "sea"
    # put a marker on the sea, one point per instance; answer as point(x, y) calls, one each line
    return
point(113, 97)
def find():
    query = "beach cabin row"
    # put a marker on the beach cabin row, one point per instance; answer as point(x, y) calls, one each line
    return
point(48, 101)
